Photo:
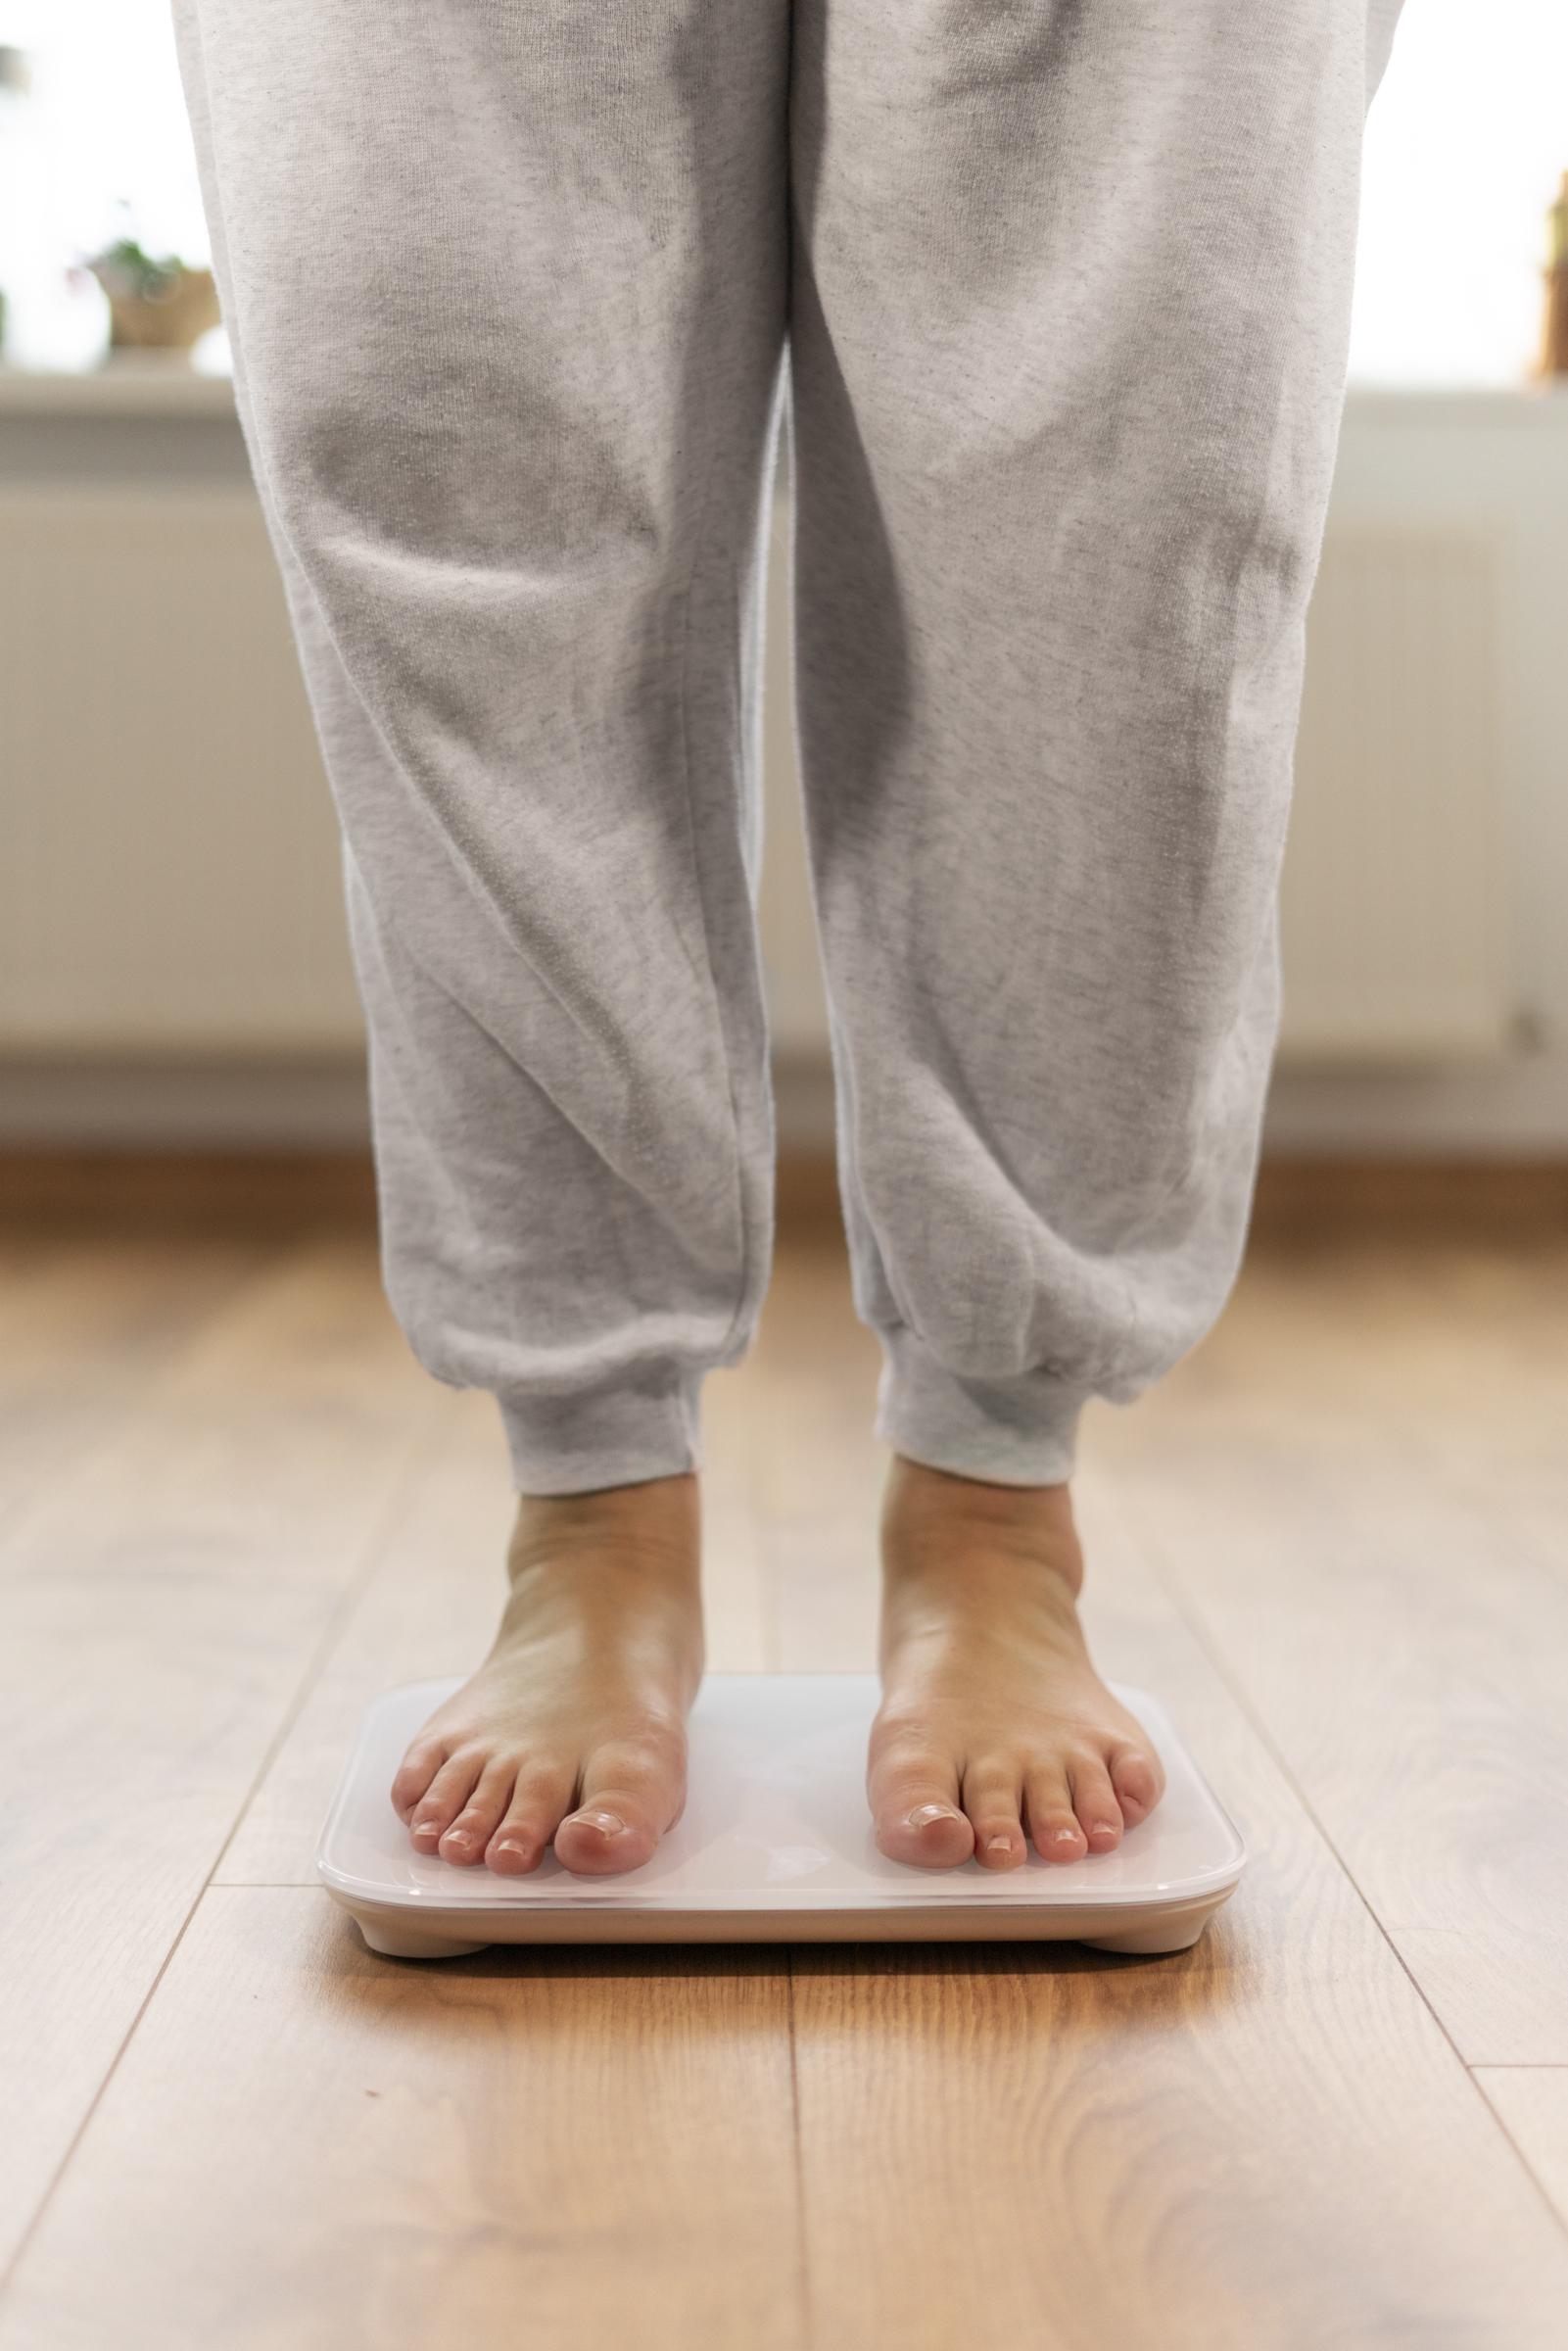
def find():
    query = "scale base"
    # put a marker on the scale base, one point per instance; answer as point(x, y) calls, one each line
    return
point(393, 1940)
point(774, 1846)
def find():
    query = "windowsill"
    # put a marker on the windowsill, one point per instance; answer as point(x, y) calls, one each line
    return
point(151, 386)
point(1458, 403)
point(156, 386)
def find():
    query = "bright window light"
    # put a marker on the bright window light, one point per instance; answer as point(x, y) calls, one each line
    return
point(1467, 144)
point(1465, 149)
point(103, 125)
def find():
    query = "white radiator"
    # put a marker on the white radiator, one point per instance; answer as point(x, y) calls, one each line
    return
point(1394, 918)
point(170, 878)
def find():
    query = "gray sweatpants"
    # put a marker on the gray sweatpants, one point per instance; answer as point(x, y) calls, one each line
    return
point(1065, 289)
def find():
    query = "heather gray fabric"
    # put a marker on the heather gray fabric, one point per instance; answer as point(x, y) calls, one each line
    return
point(1065, 286)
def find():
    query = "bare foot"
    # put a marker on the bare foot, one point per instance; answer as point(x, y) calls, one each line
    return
point(573, 1731)
point(994, 1724)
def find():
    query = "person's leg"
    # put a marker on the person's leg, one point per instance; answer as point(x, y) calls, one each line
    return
point(507, 292)
point(1069, 319)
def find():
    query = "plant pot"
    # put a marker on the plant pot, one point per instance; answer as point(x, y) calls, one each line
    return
point(172, 319)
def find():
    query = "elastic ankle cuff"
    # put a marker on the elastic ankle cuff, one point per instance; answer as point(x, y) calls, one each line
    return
point(1012, 1433)
point(613, 1437)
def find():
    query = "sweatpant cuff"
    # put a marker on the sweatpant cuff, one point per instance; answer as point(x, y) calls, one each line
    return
point(613, 1437)
point(1011, 1432)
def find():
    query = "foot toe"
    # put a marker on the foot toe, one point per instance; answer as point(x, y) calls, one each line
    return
point(443, 1800)
point(913, 1803)
point(470, 1832)
point(630, 1798)
point(523, 1835)
point(930, 1835)
point(415, 1774)
point(999, 1844)
point(993, 1800)
point(605, 1833)
point(1138, 1784)
point(1055, 1827)
point(517, 1849)
point(1094, 1801)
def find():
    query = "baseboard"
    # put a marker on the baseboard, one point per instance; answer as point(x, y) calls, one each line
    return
point(267, 1105)
point(188, 1191)
point(1514, 1113)
point(1502, 1193)
point(266, 1190)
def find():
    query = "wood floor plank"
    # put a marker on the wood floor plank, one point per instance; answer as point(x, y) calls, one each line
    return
point(1400, 1636)
point(1531, 2103)
point(157, 1614)
point(304, 1353)
point(741, 1631)
point(429, 1607)
point(818, 1467)
point(83, 1325)
point(1265, 2142)
point(1447, 1353)
point(307, 2148)
point(1270, 2142)
point(1312, 2120)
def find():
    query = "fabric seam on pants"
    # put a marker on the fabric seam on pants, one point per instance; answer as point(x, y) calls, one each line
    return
point(693, 830)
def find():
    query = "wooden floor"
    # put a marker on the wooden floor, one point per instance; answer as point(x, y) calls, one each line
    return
point(1336, 1541)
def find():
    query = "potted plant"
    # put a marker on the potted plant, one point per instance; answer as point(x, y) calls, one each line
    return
point(153, 305)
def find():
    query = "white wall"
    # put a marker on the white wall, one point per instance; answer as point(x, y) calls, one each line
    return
point(1497, 464)
point(1467, 140)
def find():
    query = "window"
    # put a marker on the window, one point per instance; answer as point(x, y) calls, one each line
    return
point(1465, 149)
point(102, 124)
point(1468, 142)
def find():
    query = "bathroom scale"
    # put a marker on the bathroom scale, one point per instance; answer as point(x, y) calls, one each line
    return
point(774, 1846)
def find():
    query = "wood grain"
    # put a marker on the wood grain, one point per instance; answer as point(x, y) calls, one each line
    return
point(1352, 1489)
point(1331, 1541)
point(816, 1469)
point(1264, 2141)
point(1531, 2103)
point(157, 1612)
point(310, 2149)
point(83, 1323)
point(427, 1607)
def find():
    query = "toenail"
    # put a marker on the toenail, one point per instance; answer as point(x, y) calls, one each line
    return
point(608, 1824)
point(923, 1816)
point(459, 1837)
point(509, 1844)
point(1063, 1835)
point(999, 1844)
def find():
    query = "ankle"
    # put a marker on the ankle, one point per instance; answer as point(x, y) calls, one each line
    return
point(651, 1530)
point(938, 1524)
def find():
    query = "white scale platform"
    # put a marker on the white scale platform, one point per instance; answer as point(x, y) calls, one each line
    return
point(774, 1846)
